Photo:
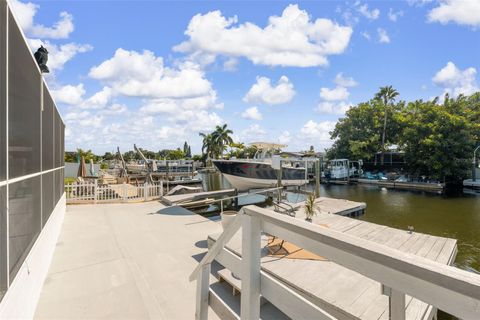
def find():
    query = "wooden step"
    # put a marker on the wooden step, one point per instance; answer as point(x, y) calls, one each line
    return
point(227, 306)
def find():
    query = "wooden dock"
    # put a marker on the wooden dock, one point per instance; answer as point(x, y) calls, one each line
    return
point(342, 292)
point(185, 199)
point(334, 206)
point(421, 186)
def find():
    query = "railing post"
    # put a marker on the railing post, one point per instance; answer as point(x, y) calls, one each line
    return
point(161, 188)
point(145, 191)
point(124, 192)
point(203, 285)
point(396, 303)
point(250, 296)
point(95, 191)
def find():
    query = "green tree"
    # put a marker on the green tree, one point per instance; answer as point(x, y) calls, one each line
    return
point(70, 156)
point(87, 155)
point(131, 155)
point(386, 95)
point(438, 139)
point(222, 139)
point(208, 146)
point(187, 150)
point(108, 156)
point(176, 154)
point(357, 135)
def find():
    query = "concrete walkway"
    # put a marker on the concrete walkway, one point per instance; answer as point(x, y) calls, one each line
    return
point(125, 261)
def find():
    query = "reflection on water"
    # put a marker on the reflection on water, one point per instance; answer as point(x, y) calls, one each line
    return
point(452, 215)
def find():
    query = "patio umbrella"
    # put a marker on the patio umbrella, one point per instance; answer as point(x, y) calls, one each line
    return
point(82, 168)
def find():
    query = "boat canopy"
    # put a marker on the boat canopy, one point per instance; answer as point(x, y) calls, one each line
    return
point(267, 145)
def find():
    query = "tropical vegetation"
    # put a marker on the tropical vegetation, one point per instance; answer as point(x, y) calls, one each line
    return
point(437, 137)
point(214, 144)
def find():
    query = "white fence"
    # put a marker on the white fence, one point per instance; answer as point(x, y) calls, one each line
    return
point(444, 287)
point(92, 192)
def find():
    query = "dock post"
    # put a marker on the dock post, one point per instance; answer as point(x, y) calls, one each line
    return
point(279, 182)
point(396, 303)
point(95, 191)
point(203, 287)
point(250, 294)
point(235, 200)
point(124, 192)
point(166, 173)
point(348, 171)
point(318, 171)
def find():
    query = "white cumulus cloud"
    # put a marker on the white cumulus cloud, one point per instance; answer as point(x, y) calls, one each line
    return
point(334, 101)
point(463, 12)
point(25, 13)
point(292, 39)
point(336, 94)
point(98, 100)
point(252, 114)
point(318, 131)
point(263, 92)
point(143, 74)
point(369, 14)
point(253, 133)
point(333, 107)
point(61, 29)
point(115, 110)
point(343, 81)
point(285, 137)
point(69, 94)
point(455, 81)
point(394, 15)
point(383, 36)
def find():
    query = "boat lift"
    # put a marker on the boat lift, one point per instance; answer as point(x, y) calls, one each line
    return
point(123, 170)
point(150, 165)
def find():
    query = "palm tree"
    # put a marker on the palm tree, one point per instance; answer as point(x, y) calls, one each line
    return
point(222, 138)
point(207, 144)
point(86, 154)
point(386, 95)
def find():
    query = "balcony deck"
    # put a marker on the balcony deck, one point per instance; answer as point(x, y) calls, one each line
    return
point(132, 261)
point(120, 261)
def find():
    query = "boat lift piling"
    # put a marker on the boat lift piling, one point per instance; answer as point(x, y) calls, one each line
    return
point(318, 170)
point(279, 181)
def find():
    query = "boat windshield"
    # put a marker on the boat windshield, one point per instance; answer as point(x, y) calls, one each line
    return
point(263, 154)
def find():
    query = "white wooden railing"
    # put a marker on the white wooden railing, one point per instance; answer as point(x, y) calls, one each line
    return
point(445, 287)
point(93, 192)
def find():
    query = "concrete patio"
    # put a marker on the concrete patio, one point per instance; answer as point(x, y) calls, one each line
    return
point(125, 261)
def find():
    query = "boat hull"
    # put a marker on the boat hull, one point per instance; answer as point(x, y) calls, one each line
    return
point(254, 175)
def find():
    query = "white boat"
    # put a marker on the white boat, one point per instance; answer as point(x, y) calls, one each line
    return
point(258, 173)
point(340, 169)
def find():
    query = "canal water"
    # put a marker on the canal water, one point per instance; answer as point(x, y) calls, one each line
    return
point(454, 215)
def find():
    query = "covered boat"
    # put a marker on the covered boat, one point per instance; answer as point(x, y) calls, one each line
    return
point(258, 173)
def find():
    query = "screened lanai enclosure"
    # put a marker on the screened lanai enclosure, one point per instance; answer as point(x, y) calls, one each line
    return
point(31, 150)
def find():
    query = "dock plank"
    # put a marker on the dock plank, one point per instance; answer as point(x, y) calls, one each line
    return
point(446, 256)
point(347, 294)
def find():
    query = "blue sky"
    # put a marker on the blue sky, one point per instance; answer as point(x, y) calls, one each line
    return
point(156, 73)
